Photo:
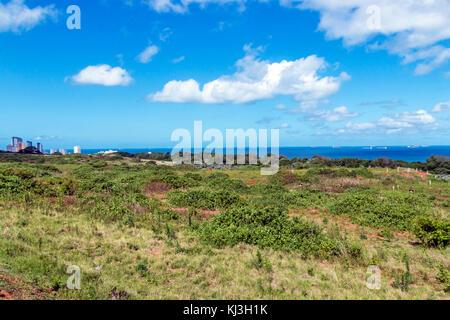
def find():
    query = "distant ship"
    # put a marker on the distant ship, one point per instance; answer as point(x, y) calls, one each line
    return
point(413, 147)
point(384, 148)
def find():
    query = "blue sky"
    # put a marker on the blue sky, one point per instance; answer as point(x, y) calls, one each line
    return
point(324, 73)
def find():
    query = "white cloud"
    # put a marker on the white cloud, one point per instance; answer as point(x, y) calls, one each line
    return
point(165, 34)
point(103, 75)
point(178, 60)
point(284, 126)
point(183, 5)
point(407, 122)
point(16, 16)
point(256, 80)
point(412, 29)
point(442, 107)
point(280, 107)
point(338, 114)
point(359, 126)
point(45, 138)
point(147, 55)
point(392, 131)
point(312, 113)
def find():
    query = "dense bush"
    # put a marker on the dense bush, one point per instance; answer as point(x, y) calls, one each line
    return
point(432, 231)
point(267, 228)
point(22, 173)
point(176, 181)
point(284, 178)
point(18, 183)
point(381, 209)
point(363, 172)
point(204, 199)
point(443, 276)
point(309, 198)
point(193, 176)
point(225, 183)
point(438, 164)
point(300, 198)
point(130, 209)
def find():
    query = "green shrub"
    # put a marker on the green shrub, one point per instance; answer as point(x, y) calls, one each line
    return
point(193, 176)
point(446, 203)
point(363, 172)
point(267, 228)
point(260, 262)
point(403, 279)
point(22, 173)
point(225, 183)
point(443, 276)
point(204, 199)
point(380, 209)
point(131, 210)
point(178, 182)
point(284, 178)
point(342, 173)
point(217, 175)
point(310, 198)
point(267, 189)
point(432, 231)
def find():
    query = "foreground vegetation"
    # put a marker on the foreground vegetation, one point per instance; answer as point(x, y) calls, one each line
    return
point(139, 229)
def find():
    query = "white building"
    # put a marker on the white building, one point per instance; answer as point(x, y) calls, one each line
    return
point(63, 151)
point(77, 149)
point(52, 151)
point(107, 152)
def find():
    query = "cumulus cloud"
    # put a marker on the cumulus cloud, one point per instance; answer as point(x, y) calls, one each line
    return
point(104, 75)
point(312, 112)
point(337, 114)
point(147, 55)
point(16, 16)
point(442, 107)
point(405, 122)
point(256, 80)
point(359, 126)
point(413, 29)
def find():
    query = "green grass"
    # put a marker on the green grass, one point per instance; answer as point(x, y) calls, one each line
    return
point(262, 238)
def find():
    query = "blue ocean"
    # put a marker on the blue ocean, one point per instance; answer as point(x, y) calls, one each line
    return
point(406, 153)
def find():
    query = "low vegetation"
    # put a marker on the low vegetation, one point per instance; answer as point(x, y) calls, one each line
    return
point(139, 228)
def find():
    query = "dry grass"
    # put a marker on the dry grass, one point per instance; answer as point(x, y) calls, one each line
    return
point(108, 256)
point(339, 185)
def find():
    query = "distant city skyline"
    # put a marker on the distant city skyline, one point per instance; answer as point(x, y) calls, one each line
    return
point(17, 145)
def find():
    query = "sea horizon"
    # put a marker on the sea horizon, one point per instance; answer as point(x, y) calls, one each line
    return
point(405, 153)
